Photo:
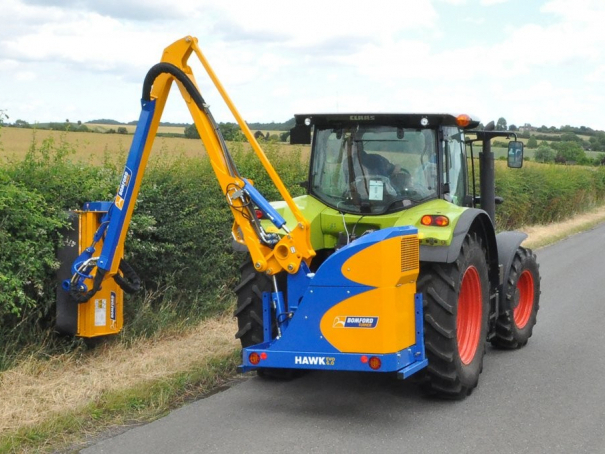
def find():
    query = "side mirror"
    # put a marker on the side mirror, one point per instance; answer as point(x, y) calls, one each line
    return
point(300, 135)
point(515, 154)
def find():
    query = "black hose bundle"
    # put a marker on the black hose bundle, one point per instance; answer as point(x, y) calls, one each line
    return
point(129, 281)
point(80, 297)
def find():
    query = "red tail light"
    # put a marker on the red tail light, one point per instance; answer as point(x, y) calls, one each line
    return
point(254, 358)
point(375, 363)
point(435, 220)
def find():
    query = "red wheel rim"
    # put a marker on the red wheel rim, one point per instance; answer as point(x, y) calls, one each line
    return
point(470, 313)
point(525, 293)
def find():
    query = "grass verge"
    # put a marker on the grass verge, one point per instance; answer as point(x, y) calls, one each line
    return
point(143, 402)
point(543, 235)
point(51, 403)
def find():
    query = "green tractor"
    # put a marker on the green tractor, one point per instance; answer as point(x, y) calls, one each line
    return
point(370, 172)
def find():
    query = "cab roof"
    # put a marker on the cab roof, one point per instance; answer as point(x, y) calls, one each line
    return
point(404, 120)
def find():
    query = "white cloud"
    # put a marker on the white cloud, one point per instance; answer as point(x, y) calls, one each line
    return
point(305, 24)
point(135, 10)
point(577, 11)
point(597, 76)
point(89, 58)
point(25, 76)
point(492, 2)
point(455, 2)
point(474, 20)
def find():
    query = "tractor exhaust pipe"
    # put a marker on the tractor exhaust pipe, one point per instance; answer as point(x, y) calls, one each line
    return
point(487, 174)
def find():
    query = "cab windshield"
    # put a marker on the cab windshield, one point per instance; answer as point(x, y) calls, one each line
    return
point(373, 169)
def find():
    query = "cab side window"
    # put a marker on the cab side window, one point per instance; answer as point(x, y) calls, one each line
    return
point(454, 169)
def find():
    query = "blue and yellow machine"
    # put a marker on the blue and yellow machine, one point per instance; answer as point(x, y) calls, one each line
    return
point(358, 311)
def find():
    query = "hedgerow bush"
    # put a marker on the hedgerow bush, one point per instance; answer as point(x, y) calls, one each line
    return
point(546, 193)
point(179, 240)
point(28, 234)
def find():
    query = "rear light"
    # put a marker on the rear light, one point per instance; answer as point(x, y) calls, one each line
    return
point(364, 359)
point(254, 358)
point(259, 214)
point(435, 220)
point(263, 355)
point(375, 363)
point(442, 221)
point(426, 220)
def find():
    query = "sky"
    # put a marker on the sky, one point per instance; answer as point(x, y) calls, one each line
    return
point(530, 61)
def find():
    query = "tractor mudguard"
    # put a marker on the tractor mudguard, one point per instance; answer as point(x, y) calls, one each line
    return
point(472, 218)
point(508, 243)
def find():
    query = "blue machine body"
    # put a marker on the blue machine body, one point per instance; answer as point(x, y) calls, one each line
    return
point(303, 339)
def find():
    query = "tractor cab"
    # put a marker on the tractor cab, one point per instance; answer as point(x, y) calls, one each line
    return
point(384, 163)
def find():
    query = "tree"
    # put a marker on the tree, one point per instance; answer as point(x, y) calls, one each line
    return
point(21, 124)
point(191, 132)
point(544, 153)
point(122, 130)
point(501, 124)
point(570, 151)
point(532, 142)
point(597, 142)
point(570, 137)
point(513, 128)
point(231, 132)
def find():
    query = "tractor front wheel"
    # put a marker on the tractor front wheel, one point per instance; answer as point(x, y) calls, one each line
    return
point(520, 302)
point(456, 306)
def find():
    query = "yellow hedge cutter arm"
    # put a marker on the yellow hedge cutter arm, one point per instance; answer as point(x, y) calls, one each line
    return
point(271, 253)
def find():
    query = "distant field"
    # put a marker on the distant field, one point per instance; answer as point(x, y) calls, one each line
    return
point(92, 147)
point(162, 129)
point(15, 142)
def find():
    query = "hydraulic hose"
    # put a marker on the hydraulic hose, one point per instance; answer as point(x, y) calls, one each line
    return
point(187, 83)
point(130, 281)
point(80, 297)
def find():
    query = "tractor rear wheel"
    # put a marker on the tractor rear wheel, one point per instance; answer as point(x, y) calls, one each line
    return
point(249, 310)
point(520, 303)
point(249, 313)
point(456, 306)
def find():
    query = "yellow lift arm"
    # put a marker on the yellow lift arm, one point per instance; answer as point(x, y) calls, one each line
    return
point(271, 253)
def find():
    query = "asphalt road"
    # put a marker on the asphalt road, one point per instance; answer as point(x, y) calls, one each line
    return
point(548, 397)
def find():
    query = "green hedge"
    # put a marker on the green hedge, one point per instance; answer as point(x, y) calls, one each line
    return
point(546, 193)
point(28, 234)
point(179, 241)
